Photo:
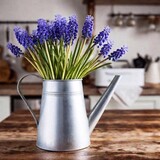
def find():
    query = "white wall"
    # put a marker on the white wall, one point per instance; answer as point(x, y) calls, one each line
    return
point(136, 39)
point(34, 9)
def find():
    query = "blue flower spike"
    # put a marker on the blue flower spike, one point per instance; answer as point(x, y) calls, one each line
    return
point(88, 27)
point(71, 30)
point(114, 56)
point(106, 48)
point(102, 36)
point(42, 30)
point(23, 37)
point(14, 49)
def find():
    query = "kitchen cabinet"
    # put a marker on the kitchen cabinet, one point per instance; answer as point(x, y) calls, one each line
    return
point(143, 102)
point(4, 107)
point(147, 102)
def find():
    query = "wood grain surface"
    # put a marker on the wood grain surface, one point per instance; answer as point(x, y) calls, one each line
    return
point(119, 135)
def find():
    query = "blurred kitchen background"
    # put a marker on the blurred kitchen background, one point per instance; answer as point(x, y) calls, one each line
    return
point(134, 23)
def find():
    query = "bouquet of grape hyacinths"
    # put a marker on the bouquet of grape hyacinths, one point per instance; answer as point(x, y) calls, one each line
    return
point(51, 52)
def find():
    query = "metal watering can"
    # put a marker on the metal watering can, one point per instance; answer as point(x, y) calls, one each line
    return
point(63, 124)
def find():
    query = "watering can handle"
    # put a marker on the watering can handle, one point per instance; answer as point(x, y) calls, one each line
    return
point(24, 99)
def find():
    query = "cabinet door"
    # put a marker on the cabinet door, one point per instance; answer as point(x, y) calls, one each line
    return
point(147, 102)
point(143, 102)
point(4, 107)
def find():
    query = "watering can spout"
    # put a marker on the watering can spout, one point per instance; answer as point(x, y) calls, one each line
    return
point(99, 108)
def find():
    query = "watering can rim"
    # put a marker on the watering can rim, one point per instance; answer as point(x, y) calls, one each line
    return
point(61, 80)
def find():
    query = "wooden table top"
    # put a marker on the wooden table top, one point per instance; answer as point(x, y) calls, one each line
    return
point(119, 135)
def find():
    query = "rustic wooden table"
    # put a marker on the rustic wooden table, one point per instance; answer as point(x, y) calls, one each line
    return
point(119, 135)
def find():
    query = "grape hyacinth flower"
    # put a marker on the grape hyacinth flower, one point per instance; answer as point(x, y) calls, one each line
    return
point(42, 32)
point(15, 50)
point(88, 27)
point(23, 37)
point(114, 56)
point(60, 25)
point(52, 31)
point(106, 48)
point(71, 30)
point(102, 36)
point(34, 37)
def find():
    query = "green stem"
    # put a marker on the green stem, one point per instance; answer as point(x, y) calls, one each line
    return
point(37, 61)
point(66, 60)
point(38, 70)
point(80, 50)
point(47, 52)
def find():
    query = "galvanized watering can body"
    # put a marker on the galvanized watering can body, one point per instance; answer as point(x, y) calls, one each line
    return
point(63, 124)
